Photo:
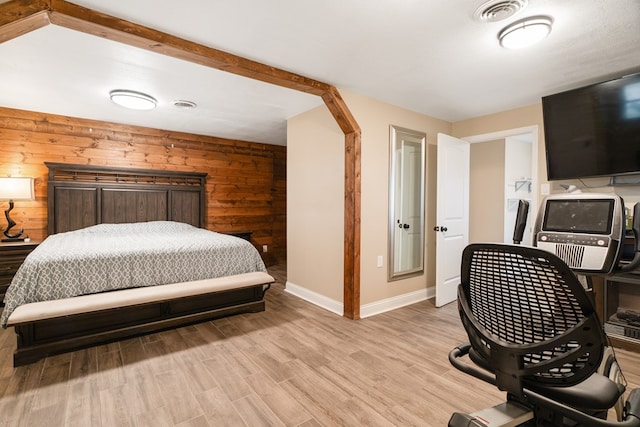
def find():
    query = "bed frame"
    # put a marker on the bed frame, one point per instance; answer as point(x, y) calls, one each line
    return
point(80, 196)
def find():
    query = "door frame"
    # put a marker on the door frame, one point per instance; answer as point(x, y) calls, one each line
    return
point(535, 131)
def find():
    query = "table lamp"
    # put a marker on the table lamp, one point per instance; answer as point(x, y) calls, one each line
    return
point(13, 189)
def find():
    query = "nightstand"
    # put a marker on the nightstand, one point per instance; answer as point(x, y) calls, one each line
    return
point(11, 257)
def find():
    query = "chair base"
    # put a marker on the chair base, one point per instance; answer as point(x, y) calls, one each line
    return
point(507, 414)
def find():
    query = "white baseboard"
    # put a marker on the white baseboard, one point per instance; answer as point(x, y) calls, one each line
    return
point(315, 298)
point(366, 310)
point(393, 303)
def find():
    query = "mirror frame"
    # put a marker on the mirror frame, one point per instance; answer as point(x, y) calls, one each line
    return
point(396, 136)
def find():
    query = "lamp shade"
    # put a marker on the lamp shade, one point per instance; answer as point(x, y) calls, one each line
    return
point(16, 188)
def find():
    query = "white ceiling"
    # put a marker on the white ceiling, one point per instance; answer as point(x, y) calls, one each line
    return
point(430, 56)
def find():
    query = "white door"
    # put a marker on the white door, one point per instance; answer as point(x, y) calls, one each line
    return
point(452, 215)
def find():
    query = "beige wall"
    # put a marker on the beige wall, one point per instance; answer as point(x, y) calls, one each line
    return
point(486, 191)
point(315, 177)
point(315, 201)
point(313, 248)
point(506, 120)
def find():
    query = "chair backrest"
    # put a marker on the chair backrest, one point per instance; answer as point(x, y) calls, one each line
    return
point(528, 318)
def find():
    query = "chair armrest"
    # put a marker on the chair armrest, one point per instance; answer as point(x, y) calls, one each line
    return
point(462, 350)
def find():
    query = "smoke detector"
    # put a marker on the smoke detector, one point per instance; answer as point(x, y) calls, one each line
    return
point(498, 10)
point(183, 104)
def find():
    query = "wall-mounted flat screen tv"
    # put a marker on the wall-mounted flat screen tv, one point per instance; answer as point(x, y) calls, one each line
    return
point(594, 130)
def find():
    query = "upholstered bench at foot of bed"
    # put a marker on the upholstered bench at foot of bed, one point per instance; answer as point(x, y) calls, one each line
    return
point(52, 327)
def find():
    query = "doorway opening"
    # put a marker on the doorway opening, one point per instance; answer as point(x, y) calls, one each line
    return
point(503, 170)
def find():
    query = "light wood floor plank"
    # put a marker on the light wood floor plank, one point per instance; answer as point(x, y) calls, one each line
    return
point(230, 381)
point(200, 421)
point(236, 359)
point(256, 413)
point(218, 409)
point(177, 396)
point(114, 409)
point(197, 376)
point(46, 417)
point(293, 365)
point(132, 351)
point(109, 364)
point(289, 411)
point(156, 418)
point(318, 397)
point(53, 387)
point(142, 390)
point(278, 371)
point(83, 405)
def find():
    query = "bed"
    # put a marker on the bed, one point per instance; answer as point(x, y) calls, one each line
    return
point(99, 276)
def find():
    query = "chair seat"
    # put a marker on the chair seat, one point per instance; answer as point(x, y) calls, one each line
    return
point(597, 392)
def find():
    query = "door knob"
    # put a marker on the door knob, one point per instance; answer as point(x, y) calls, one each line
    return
point(441, 229)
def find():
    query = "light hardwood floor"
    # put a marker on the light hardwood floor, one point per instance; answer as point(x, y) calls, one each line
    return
point(293, 365)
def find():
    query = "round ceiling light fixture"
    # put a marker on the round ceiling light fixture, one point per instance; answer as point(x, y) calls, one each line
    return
point(132, 99)
point(525, 32)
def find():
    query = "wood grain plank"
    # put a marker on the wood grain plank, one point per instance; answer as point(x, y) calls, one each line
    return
point(156, 418)
point(290, 412)
point(179, 402)
point(256, 413)
point(19, 17)
point(114, 408)
point(229, 380)
point(197, 377)
point(200, 421)
point(109, 363)
point(218, 409)
point(83, 405)
point(53, 388)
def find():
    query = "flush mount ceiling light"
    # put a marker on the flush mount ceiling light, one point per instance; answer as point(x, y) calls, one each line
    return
point(525, 32)
point(132, 99)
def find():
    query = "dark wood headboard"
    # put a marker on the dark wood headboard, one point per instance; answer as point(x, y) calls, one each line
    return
point(83, 195)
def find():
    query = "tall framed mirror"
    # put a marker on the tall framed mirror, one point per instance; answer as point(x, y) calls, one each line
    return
point(406, 202)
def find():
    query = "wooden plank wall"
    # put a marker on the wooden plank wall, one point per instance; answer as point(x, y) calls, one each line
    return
point(246, 182)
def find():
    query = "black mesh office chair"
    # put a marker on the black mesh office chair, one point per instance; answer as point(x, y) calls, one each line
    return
point(534, 333)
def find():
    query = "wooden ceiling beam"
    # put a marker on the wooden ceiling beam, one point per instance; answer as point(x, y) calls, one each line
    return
point(89, 21)
point(19, 17)
point(340, 111)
